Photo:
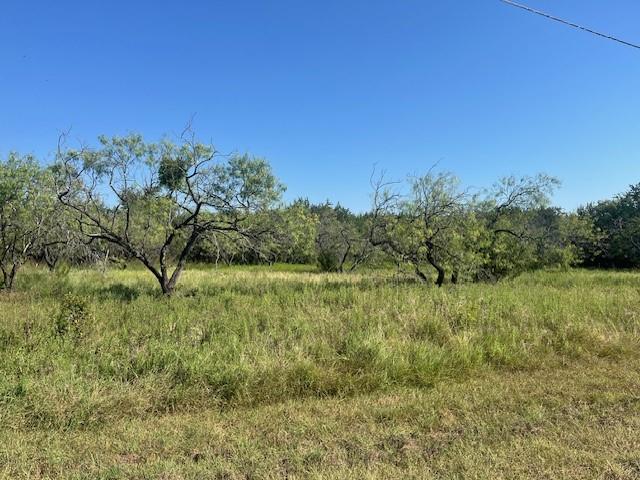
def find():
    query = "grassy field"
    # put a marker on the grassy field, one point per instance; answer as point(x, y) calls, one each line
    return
point(287, 373)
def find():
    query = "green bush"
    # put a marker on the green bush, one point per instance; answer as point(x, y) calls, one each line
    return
point(73, 315)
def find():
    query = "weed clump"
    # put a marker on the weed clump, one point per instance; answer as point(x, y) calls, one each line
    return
point(73, 316)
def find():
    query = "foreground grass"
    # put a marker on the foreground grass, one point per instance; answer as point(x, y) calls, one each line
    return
point(251, 373)
point(581, 421)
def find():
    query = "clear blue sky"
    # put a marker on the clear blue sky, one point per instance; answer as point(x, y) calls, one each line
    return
point(327, 89)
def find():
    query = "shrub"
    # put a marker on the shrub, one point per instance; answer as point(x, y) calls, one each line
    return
point(73, 315)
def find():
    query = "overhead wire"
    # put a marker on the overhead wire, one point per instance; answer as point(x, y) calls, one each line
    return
point(566, 22)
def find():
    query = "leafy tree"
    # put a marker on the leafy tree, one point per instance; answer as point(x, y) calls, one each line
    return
point(294, 234)
point(341, 239)
point(331, 247)
point(62, 241)
point(423, 227)
point(618, 222)
point(439, 225)
point(154, 201)
point(27, 205)
point(513, 211)
point(286, 235)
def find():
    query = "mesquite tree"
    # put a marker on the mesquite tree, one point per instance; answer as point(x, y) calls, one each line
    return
point(513, 212)
point(156, 200)
point(62, 242)
point(27, 206)
point(340, 243)
point(422, 227)
point(434, 223)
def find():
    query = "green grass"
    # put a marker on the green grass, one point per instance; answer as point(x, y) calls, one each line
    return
point(261, 372)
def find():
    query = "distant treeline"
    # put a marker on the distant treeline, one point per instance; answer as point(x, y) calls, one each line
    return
point(165, 204)
point(605, 234)
point(616, 231)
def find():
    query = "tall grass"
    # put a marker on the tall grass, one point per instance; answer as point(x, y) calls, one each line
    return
point(79, 349)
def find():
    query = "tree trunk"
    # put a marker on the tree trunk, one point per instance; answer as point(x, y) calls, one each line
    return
point(421, 275)
point(8, 277)
point(49, 260)
point(168, 284)
point(173, 281)
point(439, 269)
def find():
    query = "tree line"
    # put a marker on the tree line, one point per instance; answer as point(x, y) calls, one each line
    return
point(165, 204)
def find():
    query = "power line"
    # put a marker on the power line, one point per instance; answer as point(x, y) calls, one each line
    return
point(574, 25)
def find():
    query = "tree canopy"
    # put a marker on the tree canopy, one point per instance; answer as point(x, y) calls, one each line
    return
point(156, 200)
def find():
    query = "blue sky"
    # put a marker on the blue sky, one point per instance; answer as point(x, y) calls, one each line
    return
point(327, 89)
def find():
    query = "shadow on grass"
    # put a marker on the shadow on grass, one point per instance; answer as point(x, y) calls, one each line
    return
point(278, 287)
point(120, 291)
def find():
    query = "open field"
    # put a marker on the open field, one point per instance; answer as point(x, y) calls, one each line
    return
point(261, 373)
